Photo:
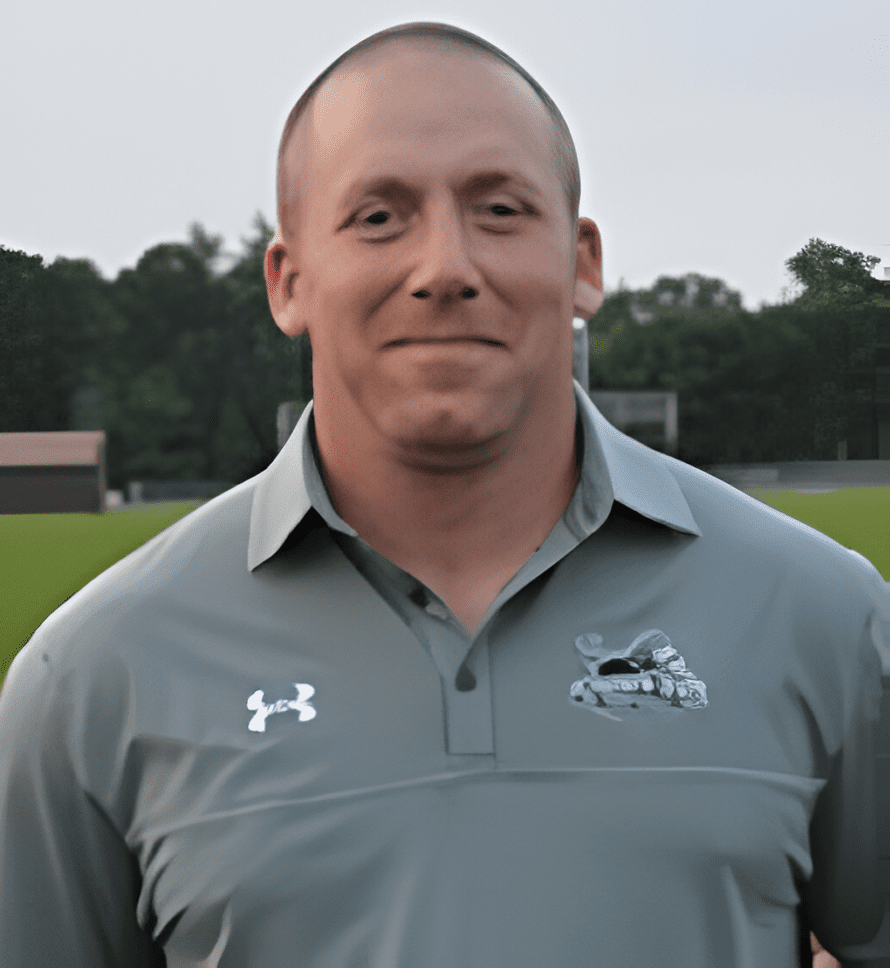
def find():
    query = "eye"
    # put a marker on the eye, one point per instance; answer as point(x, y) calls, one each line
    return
point(503, 210)
point(377, 224)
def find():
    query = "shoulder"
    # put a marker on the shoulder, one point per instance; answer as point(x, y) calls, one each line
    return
point(738, 521)
point(203, 554)
point(837, 592)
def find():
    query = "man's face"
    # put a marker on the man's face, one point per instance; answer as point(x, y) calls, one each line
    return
point(434, 253)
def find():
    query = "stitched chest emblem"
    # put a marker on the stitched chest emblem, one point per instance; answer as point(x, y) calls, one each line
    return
point(647, 675)
point(264, 710)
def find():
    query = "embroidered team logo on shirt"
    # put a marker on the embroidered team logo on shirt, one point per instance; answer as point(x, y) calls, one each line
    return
point(264, 710)
point(648, 675)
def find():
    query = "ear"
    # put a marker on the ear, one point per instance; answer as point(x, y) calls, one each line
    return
point(589, 270)
point(280, 272)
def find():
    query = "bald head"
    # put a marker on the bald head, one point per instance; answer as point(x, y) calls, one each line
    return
point(438, 37)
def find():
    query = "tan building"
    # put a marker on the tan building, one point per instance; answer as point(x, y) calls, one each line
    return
point(52, 472)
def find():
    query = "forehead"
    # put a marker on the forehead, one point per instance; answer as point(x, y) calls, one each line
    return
point(413, 98)
point(472, 75)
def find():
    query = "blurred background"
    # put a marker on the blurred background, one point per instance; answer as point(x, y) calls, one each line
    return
point(734, 156)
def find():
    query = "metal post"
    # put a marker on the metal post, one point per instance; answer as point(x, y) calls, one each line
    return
point(581, 352)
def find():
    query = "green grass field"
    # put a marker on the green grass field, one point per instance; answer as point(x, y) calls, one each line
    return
point(857, 518)
point(46, 558)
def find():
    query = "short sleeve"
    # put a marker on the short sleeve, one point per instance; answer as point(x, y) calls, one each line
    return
point(68, 883)
point(844, 903)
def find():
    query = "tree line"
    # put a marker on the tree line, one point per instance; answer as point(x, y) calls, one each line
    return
point(179, 361)
point(791, 381)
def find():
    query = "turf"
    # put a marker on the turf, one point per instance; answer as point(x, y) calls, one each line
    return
point(858, 518)
point(46, 558)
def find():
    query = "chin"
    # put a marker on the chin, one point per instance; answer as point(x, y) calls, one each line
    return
point(449, 433)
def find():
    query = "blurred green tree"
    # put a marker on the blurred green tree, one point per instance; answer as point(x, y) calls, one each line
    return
point(168, 367)
point(789, 382)
point(24, 403)
point(826, 275)
point(738, 378)
point(82, 322)
point(199, 369)
point(271, 368)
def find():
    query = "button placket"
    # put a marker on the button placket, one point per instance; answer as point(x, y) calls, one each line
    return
point(466, 692)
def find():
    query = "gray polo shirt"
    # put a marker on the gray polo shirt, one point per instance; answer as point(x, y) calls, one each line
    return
point(256, 742)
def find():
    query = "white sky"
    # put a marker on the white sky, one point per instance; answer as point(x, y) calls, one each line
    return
point(714, 137)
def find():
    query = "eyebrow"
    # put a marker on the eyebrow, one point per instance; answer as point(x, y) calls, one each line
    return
point(490, 180)
point(385, 186)
point(388, 186)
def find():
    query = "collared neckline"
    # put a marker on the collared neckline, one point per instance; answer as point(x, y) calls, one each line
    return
point(636, 476)
point(641, 477)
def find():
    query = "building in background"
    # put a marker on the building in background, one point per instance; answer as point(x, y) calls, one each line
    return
point(649, 416)
point(52, 472)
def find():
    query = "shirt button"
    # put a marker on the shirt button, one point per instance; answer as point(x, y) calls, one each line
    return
point(465, 680)
point(437, 610)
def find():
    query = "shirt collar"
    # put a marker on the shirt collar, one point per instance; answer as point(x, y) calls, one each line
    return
point(614, 466)
point(641, 478)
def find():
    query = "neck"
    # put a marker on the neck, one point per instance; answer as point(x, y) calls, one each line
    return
point(463, 532)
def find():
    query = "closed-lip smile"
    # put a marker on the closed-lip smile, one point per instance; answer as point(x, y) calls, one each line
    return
point(431, 340)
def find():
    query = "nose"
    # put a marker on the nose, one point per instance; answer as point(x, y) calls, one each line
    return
point(467, 293)
point(445, 270)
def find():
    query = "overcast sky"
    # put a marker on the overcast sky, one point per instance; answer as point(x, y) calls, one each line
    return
point(714, 137)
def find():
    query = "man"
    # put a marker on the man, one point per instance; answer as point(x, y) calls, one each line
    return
point(495, 685)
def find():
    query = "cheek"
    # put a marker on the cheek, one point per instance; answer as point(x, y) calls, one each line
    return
point(540, 278)
point(343, 303)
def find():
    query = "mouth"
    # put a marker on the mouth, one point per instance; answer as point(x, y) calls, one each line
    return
point(442, 341)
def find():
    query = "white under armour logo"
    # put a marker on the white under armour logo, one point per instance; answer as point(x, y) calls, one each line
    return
point(263, 710)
